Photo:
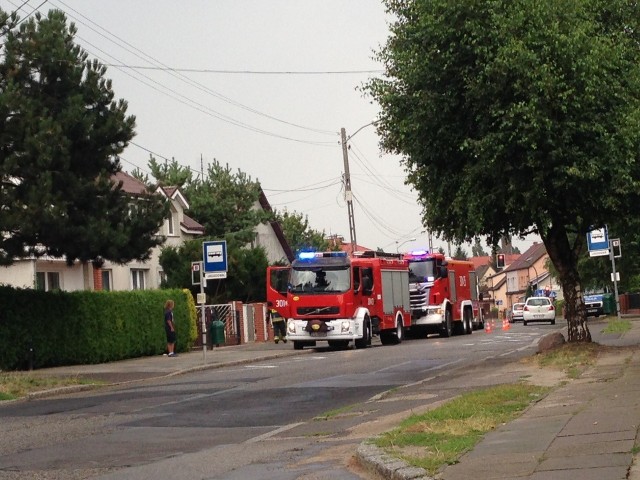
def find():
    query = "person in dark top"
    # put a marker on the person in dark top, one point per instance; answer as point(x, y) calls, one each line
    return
point(169, 327)
point(279, 326)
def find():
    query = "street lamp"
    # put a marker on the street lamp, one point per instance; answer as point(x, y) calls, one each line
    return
point(535, 270)
point(348, 195)
point(398, 245)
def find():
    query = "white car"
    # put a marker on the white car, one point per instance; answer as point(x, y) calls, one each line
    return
point(517, 312)
point(539, 309)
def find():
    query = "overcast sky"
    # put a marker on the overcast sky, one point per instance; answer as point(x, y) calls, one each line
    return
point(261, 85)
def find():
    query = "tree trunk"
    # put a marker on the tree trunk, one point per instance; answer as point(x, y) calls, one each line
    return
point(565, 260)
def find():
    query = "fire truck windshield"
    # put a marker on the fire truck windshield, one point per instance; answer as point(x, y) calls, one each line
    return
point(320, 280)
point(421, 271)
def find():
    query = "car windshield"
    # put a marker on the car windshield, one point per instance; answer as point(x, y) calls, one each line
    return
point(320, 280)
point(538, 302)
point(518, 306)
point(421, 271)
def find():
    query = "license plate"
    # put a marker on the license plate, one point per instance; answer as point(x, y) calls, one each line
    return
point(318, 334)
point(538, 316)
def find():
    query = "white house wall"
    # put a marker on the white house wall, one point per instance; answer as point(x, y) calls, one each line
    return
point(266, 238)
point(21, 274)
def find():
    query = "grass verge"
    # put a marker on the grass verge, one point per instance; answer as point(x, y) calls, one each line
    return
point(617, 326)
point(439, 437)
point(14, 385)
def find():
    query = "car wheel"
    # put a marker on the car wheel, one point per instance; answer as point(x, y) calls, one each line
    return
point(553, 322)
point(524, 322)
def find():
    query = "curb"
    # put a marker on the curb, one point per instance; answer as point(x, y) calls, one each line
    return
point(376, 460)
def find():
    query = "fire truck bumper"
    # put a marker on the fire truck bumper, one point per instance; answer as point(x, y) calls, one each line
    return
point(427, 318)
point(339, 329)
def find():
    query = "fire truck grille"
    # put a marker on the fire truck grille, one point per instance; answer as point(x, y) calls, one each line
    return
point(418, 297)
point(309, 311)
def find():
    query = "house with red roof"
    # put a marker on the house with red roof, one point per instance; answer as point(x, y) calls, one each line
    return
point(48, 273)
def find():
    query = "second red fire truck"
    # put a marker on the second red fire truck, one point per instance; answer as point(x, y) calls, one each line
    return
point(444, 294)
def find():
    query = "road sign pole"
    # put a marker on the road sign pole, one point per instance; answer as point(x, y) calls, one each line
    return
point(204, 322)
point(615, 279)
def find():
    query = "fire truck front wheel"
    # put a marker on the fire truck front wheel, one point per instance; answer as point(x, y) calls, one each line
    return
point(365, 341)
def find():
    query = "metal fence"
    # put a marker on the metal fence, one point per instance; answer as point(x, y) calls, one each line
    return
point(227, 315)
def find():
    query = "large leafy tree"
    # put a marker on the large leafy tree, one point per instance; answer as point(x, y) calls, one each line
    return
point(515, 117)
point(60, 133)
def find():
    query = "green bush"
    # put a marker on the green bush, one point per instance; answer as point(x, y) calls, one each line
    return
point(47, 329)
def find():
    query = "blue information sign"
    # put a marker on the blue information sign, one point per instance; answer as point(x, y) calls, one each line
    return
point(214, 256)
point(598, 242)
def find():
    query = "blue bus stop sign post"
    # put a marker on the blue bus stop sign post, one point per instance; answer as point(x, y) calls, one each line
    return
point(214, 265)
point(214, 259)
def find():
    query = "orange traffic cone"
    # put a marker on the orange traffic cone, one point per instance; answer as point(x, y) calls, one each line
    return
point(505, 324)
point(487, 326)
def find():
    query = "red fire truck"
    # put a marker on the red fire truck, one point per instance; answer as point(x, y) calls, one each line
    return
point(334, 298)
point(444, 294)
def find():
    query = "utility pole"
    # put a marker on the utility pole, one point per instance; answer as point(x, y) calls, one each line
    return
point(347, 191)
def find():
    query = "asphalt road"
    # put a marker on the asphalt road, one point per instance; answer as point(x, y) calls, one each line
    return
point(292, 418)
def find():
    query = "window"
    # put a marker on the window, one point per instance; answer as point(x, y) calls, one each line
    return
point(106, 280)
point(138, 279)
point(170, 228)
point(47, 281)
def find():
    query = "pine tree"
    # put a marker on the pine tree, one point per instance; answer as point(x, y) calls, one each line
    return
point(60, 133)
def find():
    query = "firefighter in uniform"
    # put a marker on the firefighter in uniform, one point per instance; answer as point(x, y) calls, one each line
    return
point(279, 326)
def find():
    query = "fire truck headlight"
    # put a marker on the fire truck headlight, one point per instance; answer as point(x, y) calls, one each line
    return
point(344, 328)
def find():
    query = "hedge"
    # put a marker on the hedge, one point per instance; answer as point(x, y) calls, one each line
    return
point(47, 329)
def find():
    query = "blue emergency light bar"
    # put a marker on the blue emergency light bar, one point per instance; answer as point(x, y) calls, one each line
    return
point(310, 255)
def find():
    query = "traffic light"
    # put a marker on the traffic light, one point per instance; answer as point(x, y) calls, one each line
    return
point(500, 260)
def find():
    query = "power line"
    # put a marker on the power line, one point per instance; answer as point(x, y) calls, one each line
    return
point(334, 181)
point(246, 72)
point(202, 108)
point(175, 73)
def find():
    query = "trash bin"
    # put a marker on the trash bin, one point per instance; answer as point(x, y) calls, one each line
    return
point(217, 332)
point(608, 304)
